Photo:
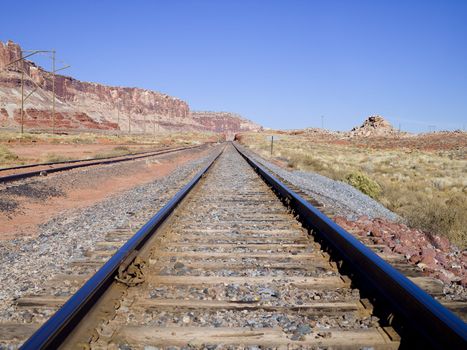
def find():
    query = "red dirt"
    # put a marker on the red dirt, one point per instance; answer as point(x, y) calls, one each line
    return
point(31, 215)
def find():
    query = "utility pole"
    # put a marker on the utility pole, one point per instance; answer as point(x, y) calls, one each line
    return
point(22, 100)
point(129, 124)
point(118, 118)
point(53, 91)
point(54, 71)
point(272, 143)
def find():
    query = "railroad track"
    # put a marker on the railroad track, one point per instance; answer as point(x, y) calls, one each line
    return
point(226, 263)
point(40, 169)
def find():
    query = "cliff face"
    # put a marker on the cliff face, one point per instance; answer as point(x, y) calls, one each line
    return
point(224, 121)
point(83, 105)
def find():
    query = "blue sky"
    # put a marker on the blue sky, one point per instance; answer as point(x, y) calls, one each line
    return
point(283, 64)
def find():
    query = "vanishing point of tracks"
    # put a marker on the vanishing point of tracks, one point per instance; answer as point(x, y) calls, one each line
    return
point(225, 263)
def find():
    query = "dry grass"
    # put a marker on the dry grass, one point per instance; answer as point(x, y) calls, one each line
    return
point(115, 152)
point(90, 138)
point(7, 156)
point(429, 189)
point(52, 158)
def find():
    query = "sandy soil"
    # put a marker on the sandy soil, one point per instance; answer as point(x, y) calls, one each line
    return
point(31, 213)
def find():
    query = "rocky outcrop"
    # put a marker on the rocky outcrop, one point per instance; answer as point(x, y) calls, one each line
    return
point(84, 105)
point(10, 52)
point(224, 121)
point(375, 125)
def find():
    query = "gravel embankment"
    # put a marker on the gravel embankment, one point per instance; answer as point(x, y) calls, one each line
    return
point(28, 263)
point(56, 184)
point(343, 199)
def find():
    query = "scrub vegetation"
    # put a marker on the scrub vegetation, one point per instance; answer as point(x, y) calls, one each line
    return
point(6, 155)
point(426, 187)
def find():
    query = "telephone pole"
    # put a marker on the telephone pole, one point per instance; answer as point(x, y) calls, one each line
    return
point(118, 118)
point(53, 87)
point(23, 99)
point(129, 124)
point(53, 91)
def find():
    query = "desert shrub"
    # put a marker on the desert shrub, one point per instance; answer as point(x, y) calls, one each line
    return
point(115, 152)
point(52, 157)
point(82, 140)
point(123, 149)
point(304, 161)
point(335, 173)
point(363, 183)
point(6, 155)
point(445, 218)
point(26, 137)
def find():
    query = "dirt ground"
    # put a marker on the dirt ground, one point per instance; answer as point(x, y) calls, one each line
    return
point(82, 151)
point(80, 193)
point(16, 149)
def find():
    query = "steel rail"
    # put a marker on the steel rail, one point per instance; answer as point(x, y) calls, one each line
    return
point(54, 332)
point(32, 165)
point(437, 325)
point(109, 160)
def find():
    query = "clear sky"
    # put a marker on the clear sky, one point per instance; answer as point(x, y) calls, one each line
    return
point(283, 64)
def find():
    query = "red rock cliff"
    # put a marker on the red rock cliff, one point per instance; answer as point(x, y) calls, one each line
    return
point(224, 121)
point(105, 105)
point(83, 105)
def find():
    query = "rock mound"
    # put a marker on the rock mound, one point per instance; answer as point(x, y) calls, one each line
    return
point(375, 125)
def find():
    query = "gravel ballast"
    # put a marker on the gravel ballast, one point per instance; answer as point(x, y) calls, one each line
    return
point(31, 262)
point(343, 199)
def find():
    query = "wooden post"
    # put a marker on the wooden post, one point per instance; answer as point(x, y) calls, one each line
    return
point(22, 99)
point(53, 91)
point(272, 143)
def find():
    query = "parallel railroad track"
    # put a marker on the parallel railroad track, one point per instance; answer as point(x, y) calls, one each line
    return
point(31, 170)
point(226, 264)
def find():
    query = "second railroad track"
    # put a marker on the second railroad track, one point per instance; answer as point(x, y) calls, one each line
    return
point(30, 170)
